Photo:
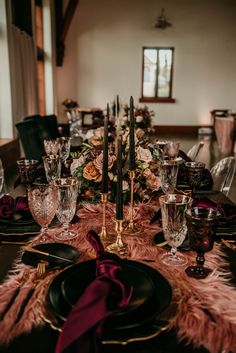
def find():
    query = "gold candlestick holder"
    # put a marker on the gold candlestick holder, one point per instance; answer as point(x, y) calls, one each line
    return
point(131, 227)
point(118, 247)
point(104, 234)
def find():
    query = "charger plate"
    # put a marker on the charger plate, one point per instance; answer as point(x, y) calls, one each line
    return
point(141, 319)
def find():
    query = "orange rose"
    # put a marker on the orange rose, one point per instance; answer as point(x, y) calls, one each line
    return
point(90, 172)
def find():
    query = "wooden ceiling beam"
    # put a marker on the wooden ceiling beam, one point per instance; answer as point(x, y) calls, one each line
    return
point(62, 26)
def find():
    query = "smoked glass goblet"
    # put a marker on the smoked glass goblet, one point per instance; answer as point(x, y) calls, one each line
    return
point(173, 208)
point(201, 224)
point(194, 174)
point(43, 203)
point(67, 189)
point(27, 169)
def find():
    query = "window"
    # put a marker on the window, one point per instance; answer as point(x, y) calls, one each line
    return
point(157, 75)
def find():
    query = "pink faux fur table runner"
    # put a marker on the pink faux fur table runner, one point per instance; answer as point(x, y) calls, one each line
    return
point(206, 309)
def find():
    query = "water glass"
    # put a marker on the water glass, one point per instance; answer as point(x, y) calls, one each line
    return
point(173, 208)
point(67, 189)
point(201, 224)
point(52, 167)
point(27, 169)
point(43, 203)
point(168, 175)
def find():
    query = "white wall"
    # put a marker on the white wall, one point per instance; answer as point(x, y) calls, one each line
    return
point(103, 55)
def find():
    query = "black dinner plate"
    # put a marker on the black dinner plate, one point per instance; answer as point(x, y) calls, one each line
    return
point(151, 296)
point(59, 249)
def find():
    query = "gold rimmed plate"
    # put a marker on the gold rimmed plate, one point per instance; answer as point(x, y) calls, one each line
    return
point(152, 294)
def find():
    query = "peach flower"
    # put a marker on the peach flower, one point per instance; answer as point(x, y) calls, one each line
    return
point(154, 183)
point(90, 172)
point(143, 154)
point(99, 161)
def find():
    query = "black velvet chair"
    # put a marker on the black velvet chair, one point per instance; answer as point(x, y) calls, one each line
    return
point(33, 130)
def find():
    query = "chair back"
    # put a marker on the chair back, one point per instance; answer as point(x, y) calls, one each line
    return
point(194, 150)
point(30, 139)
point(223, 173)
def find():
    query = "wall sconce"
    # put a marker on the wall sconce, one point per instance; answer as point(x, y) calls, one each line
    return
point(162, 21)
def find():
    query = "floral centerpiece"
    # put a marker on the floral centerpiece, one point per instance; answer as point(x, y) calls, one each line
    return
point(70, 104)
point(143, 117)
point(87, 167)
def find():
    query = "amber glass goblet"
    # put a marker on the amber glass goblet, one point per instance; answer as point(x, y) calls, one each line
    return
point(201, 224)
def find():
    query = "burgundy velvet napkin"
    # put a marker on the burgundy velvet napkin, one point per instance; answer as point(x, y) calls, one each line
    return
point(227, 211)
point(105, 295)
point(9, 206)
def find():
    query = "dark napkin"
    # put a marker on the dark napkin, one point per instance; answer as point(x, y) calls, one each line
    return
point(15, 217)
point(226, 220)
point(105, 295)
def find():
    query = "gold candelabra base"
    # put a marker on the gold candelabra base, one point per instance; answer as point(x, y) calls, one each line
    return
point(104, 233)
point(119, 246)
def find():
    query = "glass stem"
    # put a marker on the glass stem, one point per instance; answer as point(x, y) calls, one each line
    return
point(173, 251)
point(200, 259)
point(65, 227)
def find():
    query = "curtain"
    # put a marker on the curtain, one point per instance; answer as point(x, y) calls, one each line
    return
point(23, 74)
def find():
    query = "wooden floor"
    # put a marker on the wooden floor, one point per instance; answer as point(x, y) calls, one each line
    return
point(209, 154)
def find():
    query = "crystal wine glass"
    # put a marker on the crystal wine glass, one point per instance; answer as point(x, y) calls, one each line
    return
point(173, 208)
point(201, 224)
point(52, 167)
point(168, 175)
point(67, 189)
point(1, 177)
point(43, 202)
point(51, 147)
point(172, 149)
point(64, 147)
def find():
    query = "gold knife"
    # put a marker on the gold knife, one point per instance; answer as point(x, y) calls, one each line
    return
point(33, 250)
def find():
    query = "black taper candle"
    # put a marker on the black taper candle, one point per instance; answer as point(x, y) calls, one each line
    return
point(104, 186)
point(132, 165)
point(119, 193)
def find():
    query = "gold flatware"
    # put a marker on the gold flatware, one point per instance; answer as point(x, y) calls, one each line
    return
point(3, 242)
point(33, 250)
point(229, 243)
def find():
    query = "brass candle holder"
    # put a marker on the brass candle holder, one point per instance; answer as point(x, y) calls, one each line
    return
point(118, 247)
point(131, 227)
point(104, 234)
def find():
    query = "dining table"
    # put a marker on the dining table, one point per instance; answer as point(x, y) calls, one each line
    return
point(200, 316)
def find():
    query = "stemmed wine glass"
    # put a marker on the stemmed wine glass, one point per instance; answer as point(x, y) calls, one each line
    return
point(51, 147)
point(52, 167)
point(1, 177)
point(173, 208)
point(201, 224)
point(194, 174)
point(172, 149)
point(64, 147)
point(43, 202)
point(168, 175)
point(67, 189)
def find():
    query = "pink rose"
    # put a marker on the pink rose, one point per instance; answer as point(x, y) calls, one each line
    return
point(99, 161)
point(154, 183)
point(143, 154)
